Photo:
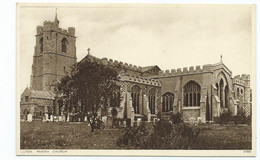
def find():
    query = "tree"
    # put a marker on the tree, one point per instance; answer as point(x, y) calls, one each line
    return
point(91, 85)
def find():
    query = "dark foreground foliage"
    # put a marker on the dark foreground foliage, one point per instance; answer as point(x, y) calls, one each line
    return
point(165, 135)
point(240, 118)
point(53, 135)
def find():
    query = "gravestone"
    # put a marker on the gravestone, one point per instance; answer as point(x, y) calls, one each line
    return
point(46, 117)
point(124, 123)
point(51, 118)
point(29, 117)
point(139, 120)
point(104, 119)
point(109, 122)
point(199, 119)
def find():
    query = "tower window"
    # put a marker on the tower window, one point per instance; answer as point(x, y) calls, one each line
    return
point(64, 44)
point(26, 98)
point(41, 45)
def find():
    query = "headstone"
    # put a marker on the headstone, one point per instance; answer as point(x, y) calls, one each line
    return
point(109, 122)
point(155, 120)
point(85, 119)
point(139, 120)
point(43, 118)
point(192, 120)
point(199, 119)
point(124, 123)
point(51, 118)
point(68, 118)
point(104, 119)
point(29, 117)
point(46, 117)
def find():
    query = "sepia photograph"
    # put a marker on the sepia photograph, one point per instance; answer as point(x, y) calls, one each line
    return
point(136, 79)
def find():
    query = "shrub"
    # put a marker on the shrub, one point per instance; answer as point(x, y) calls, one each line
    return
point(241, 118)
point(133, 136)
point(165, 135)
point(176, 118)
point(225, 117)
point(170, 136)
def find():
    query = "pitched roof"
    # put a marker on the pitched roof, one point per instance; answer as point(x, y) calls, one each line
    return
point(147, 68)
point(42, 94)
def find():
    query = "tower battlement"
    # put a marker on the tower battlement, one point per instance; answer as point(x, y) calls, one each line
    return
point(51, 26)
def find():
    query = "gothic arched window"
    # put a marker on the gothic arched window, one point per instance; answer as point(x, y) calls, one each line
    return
point(115, 96)
point(64, 44)
point(238, 93)
point(167, 104)
point(41, 45)
point(192, 94)
point(60, 103)
point(136, 98)
point(151, 98)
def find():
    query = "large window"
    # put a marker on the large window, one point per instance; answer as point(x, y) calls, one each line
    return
point(115, 97)
point(192, 94)
point(151, 98)
point(60, 102)
point(167, 104)
point(136, 99)
point(64, 43)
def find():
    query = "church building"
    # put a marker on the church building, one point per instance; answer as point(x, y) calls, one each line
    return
point(198, 93)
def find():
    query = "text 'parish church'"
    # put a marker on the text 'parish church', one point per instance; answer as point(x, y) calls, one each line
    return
point(199, 93)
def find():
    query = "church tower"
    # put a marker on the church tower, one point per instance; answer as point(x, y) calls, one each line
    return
point(54, 54)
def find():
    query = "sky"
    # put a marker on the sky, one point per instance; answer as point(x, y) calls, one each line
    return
point(170, 36)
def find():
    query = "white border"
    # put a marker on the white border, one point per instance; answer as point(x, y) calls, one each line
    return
point(8, 63)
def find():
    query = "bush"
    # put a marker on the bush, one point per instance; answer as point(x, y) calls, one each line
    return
point(171, 136)
point(176, 118)
point(225, 117)
point(241, 118)
point(165, 135)
point(133, 136)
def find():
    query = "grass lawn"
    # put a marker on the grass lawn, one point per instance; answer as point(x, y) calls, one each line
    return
point(53, 135)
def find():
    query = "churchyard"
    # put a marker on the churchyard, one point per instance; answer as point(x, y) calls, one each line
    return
point(65, 135)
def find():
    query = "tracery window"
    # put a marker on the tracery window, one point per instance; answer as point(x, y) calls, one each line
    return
point(192, 94)
point(115, 97)
point(238, 93)
point(167, 104)
point(151, 98)
point(64, 43)
point(136, 98)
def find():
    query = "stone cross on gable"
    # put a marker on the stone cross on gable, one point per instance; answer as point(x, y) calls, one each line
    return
point(88, 50)
point(221, 58)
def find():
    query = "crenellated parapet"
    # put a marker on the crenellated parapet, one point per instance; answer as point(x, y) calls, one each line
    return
point(243, 80)
point(120, 64)
point(50, 26)
point(186, 70)
point(142, 80)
